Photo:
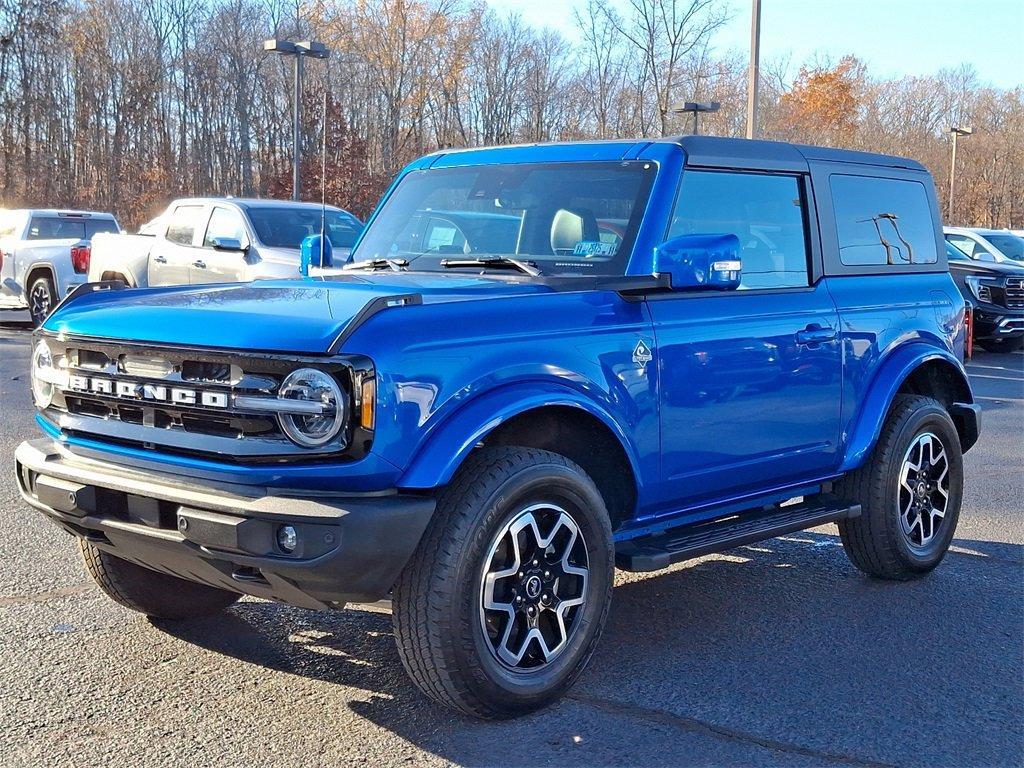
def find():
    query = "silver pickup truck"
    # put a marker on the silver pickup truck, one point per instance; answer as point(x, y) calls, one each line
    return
point(44, 255)
point(219, 240)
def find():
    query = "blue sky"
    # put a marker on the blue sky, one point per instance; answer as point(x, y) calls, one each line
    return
point(894, 37)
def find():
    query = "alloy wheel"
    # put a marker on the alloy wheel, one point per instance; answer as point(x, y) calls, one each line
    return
point(923, 493)
point(534, 587)
point(40, 301)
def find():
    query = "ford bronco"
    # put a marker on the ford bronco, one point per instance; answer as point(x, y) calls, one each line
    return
point(542, 363)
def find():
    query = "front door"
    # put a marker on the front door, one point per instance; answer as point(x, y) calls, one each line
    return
point(221, 266)
point(171, 258)
point(749, 379)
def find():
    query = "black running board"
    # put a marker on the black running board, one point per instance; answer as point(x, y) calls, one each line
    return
point(657, 551)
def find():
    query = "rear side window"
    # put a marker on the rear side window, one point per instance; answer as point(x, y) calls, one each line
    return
point(764, 211)
point(182, 226)
point(882, 222)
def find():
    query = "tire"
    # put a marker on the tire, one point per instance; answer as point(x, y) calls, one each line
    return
point(155, 594)
point(453, 648)
point(884, 542)
point(42, 298)
point(1003, 346)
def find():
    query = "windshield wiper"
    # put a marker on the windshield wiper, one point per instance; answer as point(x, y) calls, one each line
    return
point(494, 262)
point(395, 265)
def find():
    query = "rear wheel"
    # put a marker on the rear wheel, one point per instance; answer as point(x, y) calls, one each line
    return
point(503, 603)
point(150, 592)
point(41, 299)
point(909, 490)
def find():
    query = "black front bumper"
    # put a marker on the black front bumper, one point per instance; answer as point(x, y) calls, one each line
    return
point(994, 322)
point(350, 549)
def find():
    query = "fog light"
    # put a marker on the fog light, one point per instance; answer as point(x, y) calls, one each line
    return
point(287, 538)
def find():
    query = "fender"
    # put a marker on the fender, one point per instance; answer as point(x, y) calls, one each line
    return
point(45, 266)
point(893, 371)
point(436, 460)
point(131, 279)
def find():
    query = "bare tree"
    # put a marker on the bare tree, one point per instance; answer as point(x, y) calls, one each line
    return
point(665, 32)
point(179, 97)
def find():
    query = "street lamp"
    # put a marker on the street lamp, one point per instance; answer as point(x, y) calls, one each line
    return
point(956, 131)
point(300, 51)
point(696, 107)
point(754, 71)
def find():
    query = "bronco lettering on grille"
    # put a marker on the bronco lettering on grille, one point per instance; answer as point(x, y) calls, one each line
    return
point(157, 393)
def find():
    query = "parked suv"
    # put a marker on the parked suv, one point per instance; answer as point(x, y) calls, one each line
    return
point(996, 291)
point(482, 421)
point(988, 245)
point(44, 255)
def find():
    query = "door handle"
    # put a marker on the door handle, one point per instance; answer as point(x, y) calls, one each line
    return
point(160, 259)
point(816, 334)
point(200, 263)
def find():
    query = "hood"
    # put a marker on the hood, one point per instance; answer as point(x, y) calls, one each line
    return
point(301, 316)
point(989, 268)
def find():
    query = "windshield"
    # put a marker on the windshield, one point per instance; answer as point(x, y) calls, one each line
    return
point(566, 218)
point(1011, 245)
point(287, 227)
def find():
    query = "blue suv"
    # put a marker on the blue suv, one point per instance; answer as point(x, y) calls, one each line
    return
point(542, 363)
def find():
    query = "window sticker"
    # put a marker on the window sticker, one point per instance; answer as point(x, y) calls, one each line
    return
point(594, 248)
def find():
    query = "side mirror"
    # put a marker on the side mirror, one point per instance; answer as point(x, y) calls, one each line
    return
point(227, 244)
point(706, 262)
point(315, 251)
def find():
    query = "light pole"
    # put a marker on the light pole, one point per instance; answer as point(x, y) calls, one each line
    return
point(754, 72)
point(956, 131)
point(300, 51)
point(696, 107)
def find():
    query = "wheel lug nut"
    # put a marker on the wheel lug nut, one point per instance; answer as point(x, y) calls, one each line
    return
point(536, 562)
point(547, 574)
point(545, 598)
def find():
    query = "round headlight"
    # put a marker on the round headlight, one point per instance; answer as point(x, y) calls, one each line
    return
point(42, 374)
point(322, 424)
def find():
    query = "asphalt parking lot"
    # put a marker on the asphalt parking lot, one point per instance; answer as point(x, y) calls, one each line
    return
point(774, 654)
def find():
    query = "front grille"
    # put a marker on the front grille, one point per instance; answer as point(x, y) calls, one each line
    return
point(1015, 292)
point(184, 401)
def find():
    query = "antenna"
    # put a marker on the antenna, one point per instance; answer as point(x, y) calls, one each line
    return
point(323, 178)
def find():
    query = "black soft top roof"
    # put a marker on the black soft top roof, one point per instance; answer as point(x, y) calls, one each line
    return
point(719, 151)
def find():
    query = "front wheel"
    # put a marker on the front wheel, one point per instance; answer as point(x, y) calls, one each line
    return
point(505, 599)
point(909, 490)
point(155, 594)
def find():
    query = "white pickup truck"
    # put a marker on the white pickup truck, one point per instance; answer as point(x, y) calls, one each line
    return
point(44, 255)
point(219, 240)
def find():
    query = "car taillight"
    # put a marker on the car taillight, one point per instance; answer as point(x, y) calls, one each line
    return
point(80, 255)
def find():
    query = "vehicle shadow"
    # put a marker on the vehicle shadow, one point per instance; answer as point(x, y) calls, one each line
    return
point(780, 646)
